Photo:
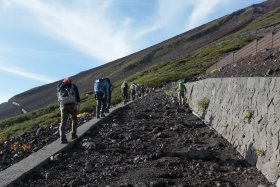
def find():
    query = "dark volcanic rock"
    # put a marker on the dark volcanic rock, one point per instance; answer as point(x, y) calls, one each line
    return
point(159, 184)
point(125, 185)
point(88, 145)
point(264, 64)
point(77, 182)
point(88, 167)
point(199, 154)
point(269, 72)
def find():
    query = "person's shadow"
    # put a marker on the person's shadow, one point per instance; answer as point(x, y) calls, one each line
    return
point(251, 155)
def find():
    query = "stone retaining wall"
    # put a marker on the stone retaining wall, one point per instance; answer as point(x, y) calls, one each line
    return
point(245, 111)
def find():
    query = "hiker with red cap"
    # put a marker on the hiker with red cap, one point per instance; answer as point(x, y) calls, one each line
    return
point(69, 100)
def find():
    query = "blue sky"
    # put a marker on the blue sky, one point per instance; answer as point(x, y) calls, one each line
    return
point(42, 41)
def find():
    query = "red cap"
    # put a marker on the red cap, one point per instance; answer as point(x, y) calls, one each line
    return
point(67, 80)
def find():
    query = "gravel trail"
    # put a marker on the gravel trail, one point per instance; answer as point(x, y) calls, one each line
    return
point(151, 142)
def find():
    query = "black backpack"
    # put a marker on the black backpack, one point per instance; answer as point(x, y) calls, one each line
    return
point(66, 93)
point(126, 86)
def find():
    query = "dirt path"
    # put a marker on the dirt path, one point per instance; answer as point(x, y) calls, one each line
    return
point(152, 142)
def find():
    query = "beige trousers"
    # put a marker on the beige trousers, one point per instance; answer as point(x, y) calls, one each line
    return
point(181, 98)
point(65, 111)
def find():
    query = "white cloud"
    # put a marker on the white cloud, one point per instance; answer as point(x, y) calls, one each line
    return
point(6, 3)
point(147, 30)
point(201, 11)
point(4, 98)
point(85, 29)
point(86, 26)
point(20, 72)
point(168, 12)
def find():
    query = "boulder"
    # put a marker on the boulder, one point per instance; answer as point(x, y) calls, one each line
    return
point(77, 182)
point(88, 167)
point(89, 145)
point(141, 184)
point(125, 185)
point(158, 184)
point(269, 72)
point(199, 154)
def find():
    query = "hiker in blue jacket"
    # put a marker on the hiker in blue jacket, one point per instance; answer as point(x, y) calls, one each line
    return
point(102, 92)
point(108, 93)
point(100, 97)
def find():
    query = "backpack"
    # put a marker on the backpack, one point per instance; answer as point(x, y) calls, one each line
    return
point(109, 83)
point(98, 85)
point(66, 94)
point(108, 80)
point(133, 87)
point(124, 86)
point(181, 87)
point(137, 87)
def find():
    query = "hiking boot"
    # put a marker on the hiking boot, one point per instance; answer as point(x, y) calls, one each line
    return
point(63, 141)
point(102, 115)
point(75, 136)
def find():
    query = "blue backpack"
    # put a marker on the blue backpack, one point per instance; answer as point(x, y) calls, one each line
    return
point(98, 85)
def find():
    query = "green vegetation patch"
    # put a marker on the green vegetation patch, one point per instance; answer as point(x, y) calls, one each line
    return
point(248, 115)
point(203, 104)
point(260, 152)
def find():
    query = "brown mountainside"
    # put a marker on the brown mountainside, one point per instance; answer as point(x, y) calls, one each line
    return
point(183, 44)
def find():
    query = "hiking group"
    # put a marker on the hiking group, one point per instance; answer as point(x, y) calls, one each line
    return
point(69, 100)
point(69, 103)
point(136, 91)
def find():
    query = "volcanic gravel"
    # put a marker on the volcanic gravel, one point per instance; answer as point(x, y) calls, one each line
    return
point(35, 140)
point(151, 142)
point(264, 64)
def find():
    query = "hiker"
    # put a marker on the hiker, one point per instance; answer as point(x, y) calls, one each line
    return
point(181, 91)
point(124, 89)
point(108, 88)
point(138, 90)
point(69, 99)
point(133, 91)
point(100, 97)
point(142, 90)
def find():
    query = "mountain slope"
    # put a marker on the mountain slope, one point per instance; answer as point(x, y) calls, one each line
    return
point(189, 54)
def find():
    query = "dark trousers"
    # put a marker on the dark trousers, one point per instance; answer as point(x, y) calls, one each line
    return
point(108, 102)
point(125, 96)
point(133, 93)
point(65, 111)
point(100, 103)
